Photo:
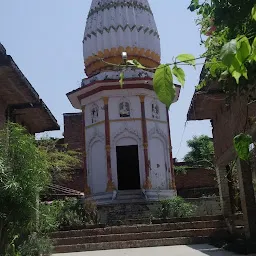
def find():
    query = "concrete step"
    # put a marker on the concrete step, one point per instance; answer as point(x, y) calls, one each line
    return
point(140, 228)
point(129, 197)
point(207, 232)
point(130, 244)
point(129, 201)
point(129, 192)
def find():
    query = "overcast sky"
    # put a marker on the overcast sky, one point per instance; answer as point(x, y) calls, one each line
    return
point(44, 37)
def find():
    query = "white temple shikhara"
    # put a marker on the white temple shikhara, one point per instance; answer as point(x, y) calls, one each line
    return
point(126, 130)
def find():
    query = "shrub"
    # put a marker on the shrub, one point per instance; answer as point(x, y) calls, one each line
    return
point(49, 216)
point(176, 207)
point(24, 173)
point(36, 245)
point(74, 213)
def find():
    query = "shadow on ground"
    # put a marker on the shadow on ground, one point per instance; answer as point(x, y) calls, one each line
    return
point(208, 250)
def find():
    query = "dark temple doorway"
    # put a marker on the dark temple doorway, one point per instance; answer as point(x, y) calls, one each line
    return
point(128, 171)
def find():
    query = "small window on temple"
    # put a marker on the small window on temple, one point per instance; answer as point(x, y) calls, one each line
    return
point(124, 109)
point(155, 111)
point(95, 114)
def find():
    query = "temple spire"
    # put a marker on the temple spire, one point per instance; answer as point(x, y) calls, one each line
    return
point(114, 26)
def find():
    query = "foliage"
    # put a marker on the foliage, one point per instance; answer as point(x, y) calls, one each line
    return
point(91, 212)
point(181, 169)
point(228, 31)
point(176, 207)
point(36, 245)
point(23, 174)
point(201, 152)
point(49, 213)
point(71, 213)
point(242, 143)
point(61, 160)
point(74, 213)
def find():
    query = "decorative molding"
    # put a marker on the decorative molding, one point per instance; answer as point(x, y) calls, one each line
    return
point(115, 75)
point(145, 145)
point(126, 131)
point(129, 4)
point(108, 148)
point(96, 136)
point(157, 131)
point(142, 98)
point(126, 120)
point(155, 110)
point(157, 121)
point(93, 65)
point(94, 113)
point(92, 125)
point(141, 28)
point(105, 100)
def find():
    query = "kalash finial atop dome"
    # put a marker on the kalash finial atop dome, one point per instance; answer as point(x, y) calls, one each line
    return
point(116, 26)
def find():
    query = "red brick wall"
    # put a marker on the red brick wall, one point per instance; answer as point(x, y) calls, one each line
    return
point(76, 182)
point(230, 121)
point(73, 136)
point(196, 178)
point(73, 131)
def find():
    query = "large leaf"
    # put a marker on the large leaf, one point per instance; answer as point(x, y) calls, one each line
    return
point(236, 75)
point(228, 52)
point(253, 56)
point(180, 74)
point(254, 12)
point(242, 144)
point(238, 69)
point(163, 85)
point(243, 49)
point(187, 58)
point(135, 63)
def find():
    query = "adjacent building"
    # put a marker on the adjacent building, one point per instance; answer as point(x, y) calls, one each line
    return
point(19, 101)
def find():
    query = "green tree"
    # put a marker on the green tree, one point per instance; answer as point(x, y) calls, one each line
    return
point(27, 167)
point(62, 161)
point(24, 173)
point(201, 152)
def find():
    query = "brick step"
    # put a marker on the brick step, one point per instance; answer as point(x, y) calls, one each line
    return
point(188, 219)
point(127, 222)
point(129, 215)
point(139, 228)
point(130, 244)
point(139, 236)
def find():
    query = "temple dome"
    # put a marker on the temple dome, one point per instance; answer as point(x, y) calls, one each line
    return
point(114, 26)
